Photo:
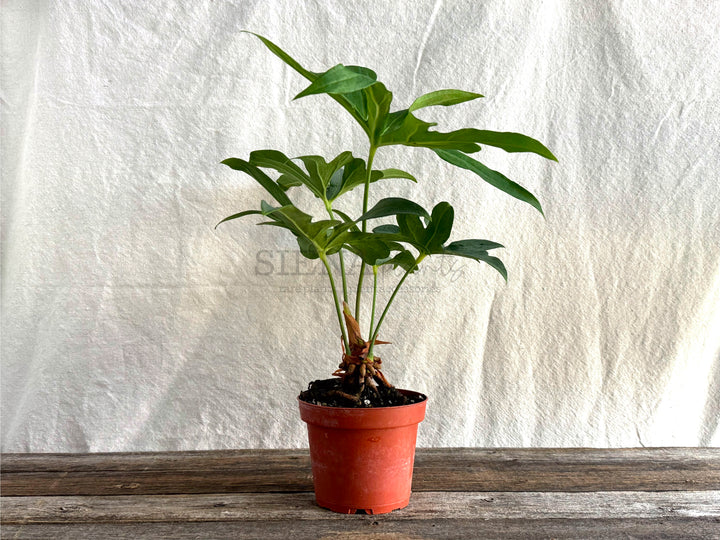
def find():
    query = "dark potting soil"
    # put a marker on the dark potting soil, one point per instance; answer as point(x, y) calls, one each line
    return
point(324, 392)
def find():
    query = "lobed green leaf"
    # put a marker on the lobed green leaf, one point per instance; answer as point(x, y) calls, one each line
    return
point(367, 246)
point(274, 159)
point(412, 230)
point(394, 173)
point(471, 248)
point(404, 259)
point(512, 142)
point(378, 99)
point(239, 215)
point(415, 132)
point(476, 250)
point(264, 180)
point(285, 57)
point(350, 104)
point(387, 229)
point(493, 178)
point(444, 98)
point(340, 79)
point(439, 227)
point(393, 206)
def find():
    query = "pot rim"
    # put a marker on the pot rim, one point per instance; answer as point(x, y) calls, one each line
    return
point(424, 399)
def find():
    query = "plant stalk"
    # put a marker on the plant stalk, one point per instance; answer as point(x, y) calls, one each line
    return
point(324, 260)
point(372, 311)
point(366, 196)
point(343, 276)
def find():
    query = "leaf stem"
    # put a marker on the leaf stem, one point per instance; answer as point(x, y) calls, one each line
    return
point(343, 276)
point(324, 260)
point(374, 335)
point(366, 196)
point(372, 311)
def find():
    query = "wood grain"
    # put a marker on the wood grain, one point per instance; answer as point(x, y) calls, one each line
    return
point(458, 493)
point(439, 469)
point(362, 528)
point(298, 507)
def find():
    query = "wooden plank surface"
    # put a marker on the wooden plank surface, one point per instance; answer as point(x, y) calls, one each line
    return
point(439, 469)
point(429, 515)
point(458, 493)
point(365, 528)
point(301, 507)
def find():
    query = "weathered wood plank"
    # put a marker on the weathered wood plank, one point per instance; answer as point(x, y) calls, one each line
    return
point(154, 461)
point(298, 507)
point(439, 469)
point(569, 469)
point(223, 459)
point(357, 528)
point(223, 471)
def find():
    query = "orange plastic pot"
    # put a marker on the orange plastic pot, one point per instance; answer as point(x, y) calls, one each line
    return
point(362, 459)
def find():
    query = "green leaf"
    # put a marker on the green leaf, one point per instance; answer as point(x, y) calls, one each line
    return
point(412, 231)
point(367, 246)
point(294, 225)
point(239, 215)
point(358, 102)
point(439, 228)
point(387, 229)
point(286, 182)
point(267, 208)
point(348, 103)
point(471, 248)
point(394, 121)
point(496, 263)
point(352, 175)
point(476, 250)
point(416, 132)
point(264, 180)
point(337, 235)
point(404, 259)
point(285, 57)
point(321, 231)
point(316, 167)
point(321, 172)
point(347, 219)
point(274, 159)
point(296, 219)
point(291, 174)
point(378, 100)
point(394, 173)
point(512, 142)
point(307, 248)
point(301, 224)
point(493, 178)
point(340, 79)
point(444, 98)
point(393, 206)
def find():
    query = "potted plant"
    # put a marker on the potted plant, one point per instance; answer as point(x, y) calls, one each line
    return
point(361, 429)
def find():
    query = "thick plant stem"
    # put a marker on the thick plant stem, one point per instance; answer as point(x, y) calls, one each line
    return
point(374, 335)
point(343, 276)
point(324, 260)
point(372, 311)
point(366, 196)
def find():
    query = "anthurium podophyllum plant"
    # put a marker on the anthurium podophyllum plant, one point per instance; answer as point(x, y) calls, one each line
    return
point(416, 234)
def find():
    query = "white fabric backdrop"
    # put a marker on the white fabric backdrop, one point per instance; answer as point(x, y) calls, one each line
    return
point(130, 324)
